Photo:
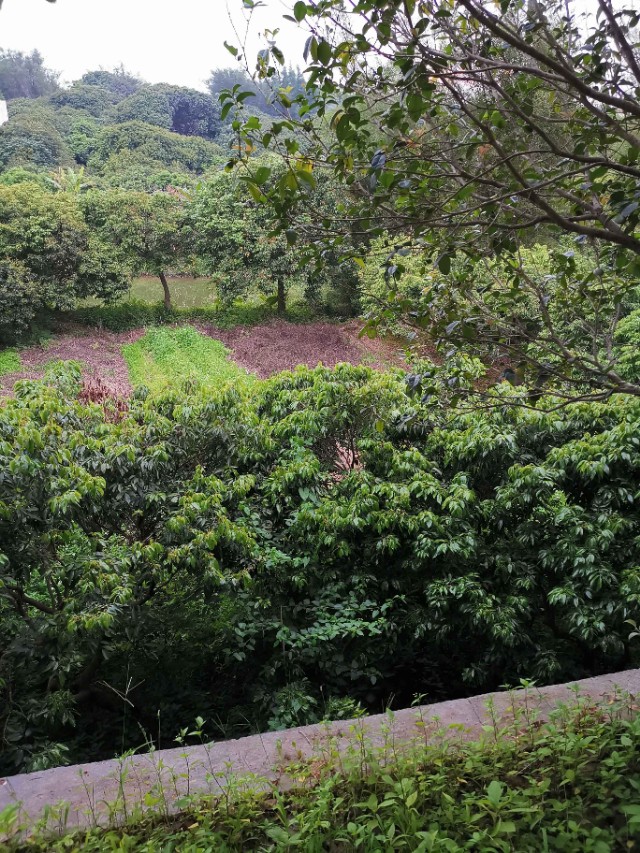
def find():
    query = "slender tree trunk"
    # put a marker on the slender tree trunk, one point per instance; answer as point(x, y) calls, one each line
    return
point(282, 302)
point(167, 292)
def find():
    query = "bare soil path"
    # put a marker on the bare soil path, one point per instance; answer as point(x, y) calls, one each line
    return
point(279, 345)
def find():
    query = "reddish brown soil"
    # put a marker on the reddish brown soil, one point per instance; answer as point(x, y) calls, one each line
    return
point(278, 345)
point(263, 350)
point(99, 352)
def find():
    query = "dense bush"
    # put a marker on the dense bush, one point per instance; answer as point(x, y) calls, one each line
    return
point(175, 108)
point(191, 154)
point(32, 140)
point(251, 557)
point(119, 82)
point(49, 256)
point(93, 100)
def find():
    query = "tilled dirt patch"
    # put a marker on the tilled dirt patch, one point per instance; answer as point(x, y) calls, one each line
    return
point(99, 353)
point(279, 345)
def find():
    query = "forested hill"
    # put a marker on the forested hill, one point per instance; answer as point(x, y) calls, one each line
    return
point(123, 131)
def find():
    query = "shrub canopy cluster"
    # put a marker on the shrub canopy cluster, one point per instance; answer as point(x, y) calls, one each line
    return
point(253, 556)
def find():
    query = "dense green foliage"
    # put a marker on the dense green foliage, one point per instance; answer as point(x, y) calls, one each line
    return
point(9, 361)
point(571, 786)
point(458, 128)
point(234, 238)
point(48, 256)
point(184, 111)
point(127, 132)
point(329, 542)
point(119, 82)
point(30, 138)
point(249, 556)
point(146, 164)
point(136, 313)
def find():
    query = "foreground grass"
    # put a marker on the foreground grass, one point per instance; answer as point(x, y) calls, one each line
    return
point(570, 786)
point(9, 362)
point(169, 356)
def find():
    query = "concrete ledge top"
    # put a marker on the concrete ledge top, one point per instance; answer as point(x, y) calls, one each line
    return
point(93, 793)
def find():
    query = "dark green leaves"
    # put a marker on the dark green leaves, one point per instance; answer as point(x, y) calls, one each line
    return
point(444, 263)
point(262, 175)
point(324, 52)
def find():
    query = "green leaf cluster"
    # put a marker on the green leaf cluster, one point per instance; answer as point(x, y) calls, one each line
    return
point(252, 553)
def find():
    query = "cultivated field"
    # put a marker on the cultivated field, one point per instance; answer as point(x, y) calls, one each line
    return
point(166, 355)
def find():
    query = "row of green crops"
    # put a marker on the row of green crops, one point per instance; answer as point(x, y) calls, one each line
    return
point(164, 357)
point(302, 548)
point(9, 362)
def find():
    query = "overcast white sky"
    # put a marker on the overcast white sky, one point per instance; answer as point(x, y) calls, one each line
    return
point(173, 41)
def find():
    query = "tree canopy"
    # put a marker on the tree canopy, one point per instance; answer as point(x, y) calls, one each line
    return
point(463, 129)
point(24, 75)
point(176, 108)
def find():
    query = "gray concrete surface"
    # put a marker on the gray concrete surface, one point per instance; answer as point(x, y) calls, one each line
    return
point(109, 791)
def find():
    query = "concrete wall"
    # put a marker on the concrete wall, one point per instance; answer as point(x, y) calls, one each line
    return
point(102, 791)
point(4, 115)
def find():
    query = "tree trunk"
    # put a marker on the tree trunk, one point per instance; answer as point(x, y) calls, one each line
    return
point(282, 302)
point(167, 292)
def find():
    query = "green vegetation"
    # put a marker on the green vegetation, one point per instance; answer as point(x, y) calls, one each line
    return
point(186, 292)
point(134, 314)
point(327, 543)
point(193, 293)
point(570, 787)
point(167, 357)
point(474, 165)
point(251, 552)
point(49, 257)
point(9, 362)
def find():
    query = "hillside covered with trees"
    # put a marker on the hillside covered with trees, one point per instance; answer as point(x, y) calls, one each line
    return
point(454, 511)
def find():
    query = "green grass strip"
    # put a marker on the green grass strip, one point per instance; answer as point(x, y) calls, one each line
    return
point(9, 362)
point(167, 357)
point(570, 787)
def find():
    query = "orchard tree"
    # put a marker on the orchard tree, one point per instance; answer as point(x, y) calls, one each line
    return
point(149, 232)
point(464, 127)
point(234, 235)
point(50, 258)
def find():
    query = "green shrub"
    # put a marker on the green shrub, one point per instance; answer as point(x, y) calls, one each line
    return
point(135, 314)
point(251, 553)
point(123, 316)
